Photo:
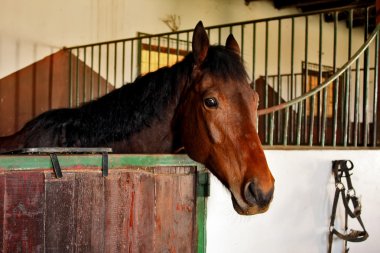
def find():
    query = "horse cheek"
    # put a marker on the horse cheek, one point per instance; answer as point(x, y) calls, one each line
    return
point(197, 149)
point(214, 133)
point(195, 139)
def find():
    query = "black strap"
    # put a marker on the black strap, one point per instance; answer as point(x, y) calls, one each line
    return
point(56, 166)
point(341, 169)
point(105, 164)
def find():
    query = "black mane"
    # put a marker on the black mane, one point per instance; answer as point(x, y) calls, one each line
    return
point(132, 107)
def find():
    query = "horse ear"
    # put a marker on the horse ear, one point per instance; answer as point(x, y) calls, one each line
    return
point(200, 43)
point(232, 44)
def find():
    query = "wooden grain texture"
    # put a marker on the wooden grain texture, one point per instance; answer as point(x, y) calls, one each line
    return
point(24, 212)
point(119, 201)
point(184, 212)
point(175, 204)
point(141, 209)
point(2, 191)
point(143, 213)
point(60, 213)
point(89, 212)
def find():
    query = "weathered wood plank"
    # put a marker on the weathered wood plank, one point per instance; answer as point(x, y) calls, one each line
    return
point(2, 192)
point(143, 210)
point(24, 212)
point(185, 212)
point(90, 211)
point(175, 211)
point(164, 214)
point(60, 213)
point(119, 201)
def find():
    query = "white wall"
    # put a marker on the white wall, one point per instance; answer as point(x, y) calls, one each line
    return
point(299, 216)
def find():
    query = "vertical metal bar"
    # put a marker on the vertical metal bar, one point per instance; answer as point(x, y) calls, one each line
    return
point(158, 52)
point(242, 42)
point(187, 42)
point(375, 91)
point(115, 66)
point(100, 70)
point(168, 49)
point(77, 80)
point(299, 122)
point(347, 85)
point(324, 117)
point(321, 95)
point(336, 85)
point(291, 119)
point(123, 63)
point(271, 129)
point(279, 84)
point(266, 79)
point(149, 52)
point(177, 46)
point(312, 99)
point(306, 74)
point(132, 57)
point(254, 55)
point(365, 98)
point(84, 74)
point(70, 79)
point(91, 75)
point(107, 66)
point(219, 35)
point(356, 105)
point(346, 106)
point(285, 133)
point(365, 84)
point(298, 113)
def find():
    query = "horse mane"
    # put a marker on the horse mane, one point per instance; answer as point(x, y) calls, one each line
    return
point(118, 114)
point(134, 106)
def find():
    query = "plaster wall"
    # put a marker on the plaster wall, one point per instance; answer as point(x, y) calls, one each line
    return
point(299, 216)
point(31, 30)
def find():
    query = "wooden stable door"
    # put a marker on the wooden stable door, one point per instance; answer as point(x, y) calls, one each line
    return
point(140, 206)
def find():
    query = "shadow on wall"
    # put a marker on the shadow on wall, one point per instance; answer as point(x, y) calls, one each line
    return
point(46, 85)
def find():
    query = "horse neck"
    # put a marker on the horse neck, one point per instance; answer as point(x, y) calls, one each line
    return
point(10, 143)
point(162, 134)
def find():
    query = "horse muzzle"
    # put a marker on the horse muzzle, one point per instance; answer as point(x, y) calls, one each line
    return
point(253, 201)
point(255, 196)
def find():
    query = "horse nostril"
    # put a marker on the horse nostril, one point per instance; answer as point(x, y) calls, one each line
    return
point(255, 196)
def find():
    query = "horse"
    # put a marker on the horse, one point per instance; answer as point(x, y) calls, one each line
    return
point(203, 103)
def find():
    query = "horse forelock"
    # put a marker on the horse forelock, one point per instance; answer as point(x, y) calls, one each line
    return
point(225, 63)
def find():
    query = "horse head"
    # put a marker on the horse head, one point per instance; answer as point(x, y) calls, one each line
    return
point(219, 113)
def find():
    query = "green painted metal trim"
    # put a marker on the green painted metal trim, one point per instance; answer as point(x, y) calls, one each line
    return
point(203, 191)
point(201, 224)
point(31, 162)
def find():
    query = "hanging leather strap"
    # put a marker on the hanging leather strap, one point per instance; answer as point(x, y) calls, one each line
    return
point(341, 169)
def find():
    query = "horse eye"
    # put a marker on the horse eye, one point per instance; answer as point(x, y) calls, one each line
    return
point(211, 102)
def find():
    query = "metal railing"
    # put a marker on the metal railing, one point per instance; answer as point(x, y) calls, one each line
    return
point(281, 49)
point(340, 79)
